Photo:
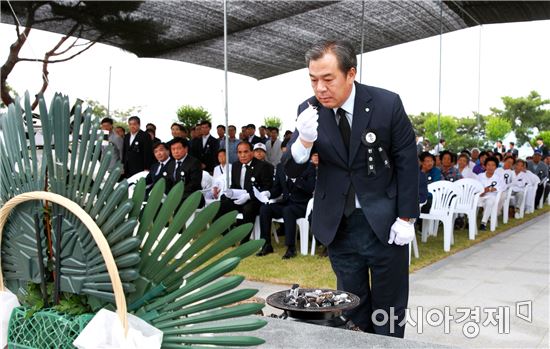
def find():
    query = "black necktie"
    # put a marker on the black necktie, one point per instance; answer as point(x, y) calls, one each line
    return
point(345, 131)
point(178, 164)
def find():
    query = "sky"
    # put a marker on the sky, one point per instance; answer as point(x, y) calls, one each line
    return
point(514, 60)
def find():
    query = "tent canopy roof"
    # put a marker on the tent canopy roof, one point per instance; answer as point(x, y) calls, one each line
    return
point(268, 38)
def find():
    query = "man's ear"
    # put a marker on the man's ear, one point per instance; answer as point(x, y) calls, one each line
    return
point(351, 73)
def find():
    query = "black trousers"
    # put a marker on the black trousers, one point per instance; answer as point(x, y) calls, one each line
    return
point(377, 273)
point(249, 210)
point(289, 211)
point(541, 190)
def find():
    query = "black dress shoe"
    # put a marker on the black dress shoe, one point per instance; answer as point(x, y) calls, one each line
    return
point(290, 253)
point(266, 249)
point(483, 227)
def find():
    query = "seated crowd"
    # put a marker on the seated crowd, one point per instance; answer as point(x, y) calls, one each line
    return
point(257, 184)
point(497, 170)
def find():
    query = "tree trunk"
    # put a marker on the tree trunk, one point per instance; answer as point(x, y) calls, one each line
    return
point(13, 58)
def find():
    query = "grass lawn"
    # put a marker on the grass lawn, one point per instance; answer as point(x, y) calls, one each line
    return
point(315, 271)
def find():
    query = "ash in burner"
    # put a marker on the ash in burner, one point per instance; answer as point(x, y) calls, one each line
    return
point(316, 299)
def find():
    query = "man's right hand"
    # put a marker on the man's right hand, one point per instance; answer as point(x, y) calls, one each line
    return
point(307, 126)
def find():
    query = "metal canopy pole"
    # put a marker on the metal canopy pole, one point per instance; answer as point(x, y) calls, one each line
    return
point(479, 86)
point(362, 40)
point(227, 184)
point(439, 135)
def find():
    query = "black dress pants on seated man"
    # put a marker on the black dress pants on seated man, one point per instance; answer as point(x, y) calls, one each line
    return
point(354, 253)
point(290, 212)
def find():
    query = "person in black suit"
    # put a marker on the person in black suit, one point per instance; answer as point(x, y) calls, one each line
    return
point(366, 195)
point(184, 167)
point(251, 135)
point(293, 195)
point(499, 148)
point(159, 168)
point(246, 174)
point(205, 148)
point(137, 149)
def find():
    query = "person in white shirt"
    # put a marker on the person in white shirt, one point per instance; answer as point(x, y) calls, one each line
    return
point(219, 183)
point(493, 184)
point(519, 181)
point(463, 168)
point(506, 171)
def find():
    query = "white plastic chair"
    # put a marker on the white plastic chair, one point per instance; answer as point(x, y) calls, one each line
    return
point(468, 191)
point(303, 227)
point(530, 200)
point(541, 201)
point(506, 205)
point(133, 180)
point(442, 209)
point(494, 211)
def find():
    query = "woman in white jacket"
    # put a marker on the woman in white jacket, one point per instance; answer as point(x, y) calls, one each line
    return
point(493, 183)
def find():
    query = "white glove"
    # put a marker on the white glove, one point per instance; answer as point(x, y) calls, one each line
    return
point(241, 200)
point(401, 232)
point(307, 124)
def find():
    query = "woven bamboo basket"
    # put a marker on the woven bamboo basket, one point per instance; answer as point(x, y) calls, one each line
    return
point(18, 317)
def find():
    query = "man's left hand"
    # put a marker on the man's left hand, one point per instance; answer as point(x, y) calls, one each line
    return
point(401, 232)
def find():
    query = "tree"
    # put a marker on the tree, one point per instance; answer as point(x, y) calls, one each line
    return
point(418, 122)
point(525, 114)
point(190, 116)
point(545, 137)
point(497, 128)
point(448, 128)
point(120, 117)
point(94, 21)
point(273, 121)
point(10, 92)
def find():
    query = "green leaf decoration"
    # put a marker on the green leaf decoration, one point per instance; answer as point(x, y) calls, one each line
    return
point(171, 256)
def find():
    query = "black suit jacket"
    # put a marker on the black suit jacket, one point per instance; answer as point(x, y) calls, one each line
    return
point(207, 155)
point(259, 176)
point(390, 192)
point(294, 190)
point(137, 156)
point(189, 172)
point(255, 139)
point(153, 177)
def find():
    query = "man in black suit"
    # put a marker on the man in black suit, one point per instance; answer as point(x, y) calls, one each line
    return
point(137, 149)
point(205, 148)
point(159, 168)
point(246, 174)
point(251, 134)
point(292, 195)
point(366, 195)
point(184, 167)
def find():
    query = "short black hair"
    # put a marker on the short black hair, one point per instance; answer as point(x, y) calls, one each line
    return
point(483, 153)
point(512, 143)
point(221, 150)
point(206, 122)
point(446, 152)
point(184, 142)
point(220, 126)
point(107, 120)
point(464, 155)
point(274, 129)
point(151, 125)
point(178, 125)
point(466, 151)
point(250, 146)
point(510, 157)
point(493, 159)
point(251, 126)
point(158, 144)
point(232, 126)
point(134, 118)
point(343, 50)
point(426, 154)
point(263, 127)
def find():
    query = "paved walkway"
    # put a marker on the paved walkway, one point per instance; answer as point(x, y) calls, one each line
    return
point(513, 266)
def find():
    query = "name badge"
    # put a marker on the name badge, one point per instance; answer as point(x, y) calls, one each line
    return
point(369, 138)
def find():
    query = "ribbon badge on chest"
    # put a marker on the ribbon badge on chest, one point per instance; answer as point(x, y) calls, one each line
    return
point(370, 140)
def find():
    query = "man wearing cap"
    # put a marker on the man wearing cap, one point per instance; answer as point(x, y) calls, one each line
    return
point(366, 195)
point(259, 151)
